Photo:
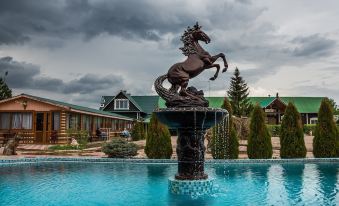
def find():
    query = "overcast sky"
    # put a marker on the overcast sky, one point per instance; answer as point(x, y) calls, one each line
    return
point(77, 51)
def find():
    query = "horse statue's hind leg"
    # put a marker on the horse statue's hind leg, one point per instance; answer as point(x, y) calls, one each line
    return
point(216, 73)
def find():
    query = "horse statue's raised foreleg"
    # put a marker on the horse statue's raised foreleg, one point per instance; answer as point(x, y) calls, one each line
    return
point(220, 55)
point(216, 73)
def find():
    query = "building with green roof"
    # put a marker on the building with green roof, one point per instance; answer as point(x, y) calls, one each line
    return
point(141, 107)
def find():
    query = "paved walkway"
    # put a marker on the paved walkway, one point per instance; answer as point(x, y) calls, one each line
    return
point(33, 150)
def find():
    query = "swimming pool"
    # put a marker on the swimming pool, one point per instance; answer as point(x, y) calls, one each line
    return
point(135, 183)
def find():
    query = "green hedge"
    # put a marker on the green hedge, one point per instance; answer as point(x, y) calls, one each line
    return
point(292, 144)
point(259, 141)
point(225, 143)
point(325, 142)
point(64, 147)
point(158, 140)
point(138, 131)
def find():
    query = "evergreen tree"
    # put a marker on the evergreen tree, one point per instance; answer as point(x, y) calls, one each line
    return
point(138, 131)
point(225, 143)
point(259, 141)
point(325, 140)
point(238, 93)
point(5, 91)
point(158, 140)
point(334, 107)
point(292, 134)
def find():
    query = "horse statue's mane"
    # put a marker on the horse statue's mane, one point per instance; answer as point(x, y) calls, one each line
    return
point(186, 38)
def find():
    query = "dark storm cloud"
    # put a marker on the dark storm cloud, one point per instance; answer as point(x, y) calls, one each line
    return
point(313, 45)
point(90, 83)
point(20, 73)
point(28, 76)
point(20, 20)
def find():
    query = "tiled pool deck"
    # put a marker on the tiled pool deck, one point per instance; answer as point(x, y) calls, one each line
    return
point(16, 161)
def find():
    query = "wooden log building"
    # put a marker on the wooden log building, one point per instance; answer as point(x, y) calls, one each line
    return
point(35, 118)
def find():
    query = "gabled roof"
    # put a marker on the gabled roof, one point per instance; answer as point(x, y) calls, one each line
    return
point(109, 99)
point(71, 107)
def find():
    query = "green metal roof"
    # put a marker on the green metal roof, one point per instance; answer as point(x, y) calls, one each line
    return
point(133, 101)
point(80, 108)
point(303, 104)
point(147, 103)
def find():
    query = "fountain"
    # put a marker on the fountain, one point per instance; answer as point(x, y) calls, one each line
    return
point(187, 112)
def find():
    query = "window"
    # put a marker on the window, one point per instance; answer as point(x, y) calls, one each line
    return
point(22, 120)
point(55, 121)
point(121, 104)
point(85, 122)
point(4, 120)
point(314, 120)
point(98, 122)
point(74, 121)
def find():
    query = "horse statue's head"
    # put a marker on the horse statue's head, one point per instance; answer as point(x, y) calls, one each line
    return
point(199, 35)
point(191, 35)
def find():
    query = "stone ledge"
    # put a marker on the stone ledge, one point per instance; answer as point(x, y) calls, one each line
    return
point(9, 160)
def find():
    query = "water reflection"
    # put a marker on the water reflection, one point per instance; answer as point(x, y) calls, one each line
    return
point(293, 182)
point(328, 183)
point(158, 171)
point(239, 183)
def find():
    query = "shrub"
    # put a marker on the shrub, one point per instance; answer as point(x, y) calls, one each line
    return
point(225, 144)
point(242, 127)
point(309, 129)
point(158, 140)
point(274, 130)
point(64, 147)
point(292, 134)
point(138, 131)
point(259, 140)
point(325, 140)
point(120, 148)
point(81, 136)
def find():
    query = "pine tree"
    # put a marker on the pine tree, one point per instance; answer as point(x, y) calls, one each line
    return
point(138, 131)
point(225, 143)
point(292, 134)
point(259, 141)
point(238, 93)
point(325, 140)
point(158, 140)
point(5, 91)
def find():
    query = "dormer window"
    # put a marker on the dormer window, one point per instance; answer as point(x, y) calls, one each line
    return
point(121, 104)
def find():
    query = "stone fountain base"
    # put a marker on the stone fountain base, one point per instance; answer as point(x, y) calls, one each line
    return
point(191, 187)
point(191, 124)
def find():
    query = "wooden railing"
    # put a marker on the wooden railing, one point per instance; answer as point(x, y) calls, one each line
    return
point(27, 136)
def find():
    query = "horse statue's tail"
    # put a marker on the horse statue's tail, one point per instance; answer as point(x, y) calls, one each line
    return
point(164, 93)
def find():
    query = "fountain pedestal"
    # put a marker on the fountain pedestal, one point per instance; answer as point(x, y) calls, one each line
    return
point(190, 153)
point(191, 124)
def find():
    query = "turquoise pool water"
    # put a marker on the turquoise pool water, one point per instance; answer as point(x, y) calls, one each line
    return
point(81, 183)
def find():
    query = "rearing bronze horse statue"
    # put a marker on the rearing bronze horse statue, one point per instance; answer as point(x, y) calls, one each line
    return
point(197, 61)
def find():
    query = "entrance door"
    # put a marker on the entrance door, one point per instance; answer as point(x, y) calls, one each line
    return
point(42, 127)
point(39, 128)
